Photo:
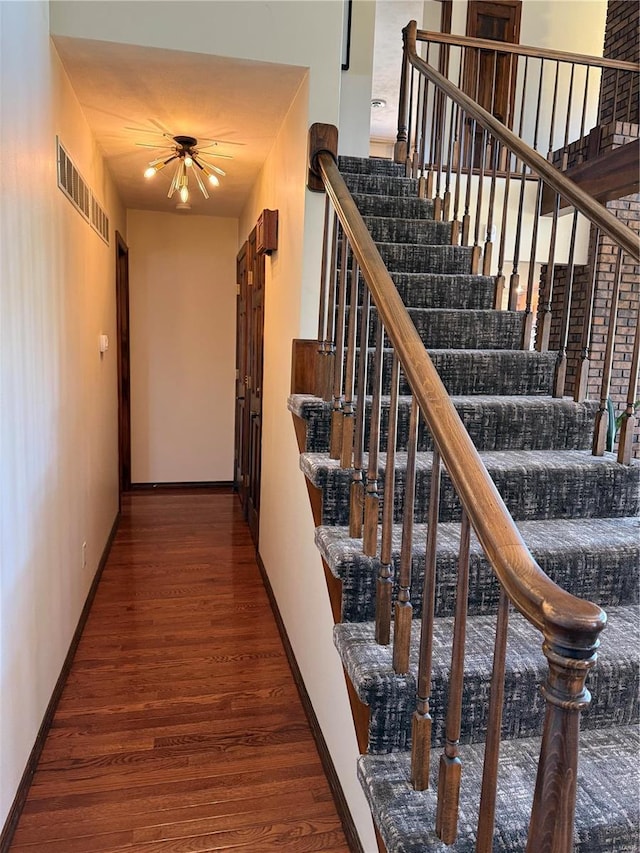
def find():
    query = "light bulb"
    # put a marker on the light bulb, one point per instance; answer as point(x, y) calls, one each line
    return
point(150, 172)
point(184, 194)
point(188, 161)
point(214, 181)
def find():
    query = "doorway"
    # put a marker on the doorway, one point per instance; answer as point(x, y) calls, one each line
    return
point(124, 369)
point(490, 76)
point(250, 269)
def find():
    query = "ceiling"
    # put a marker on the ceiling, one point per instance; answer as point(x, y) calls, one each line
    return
point(241, 103)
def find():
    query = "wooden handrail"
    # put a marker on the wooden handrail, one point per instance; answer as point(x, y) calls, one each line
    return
point(527, 50)
point(567, 622)
point(569, 190)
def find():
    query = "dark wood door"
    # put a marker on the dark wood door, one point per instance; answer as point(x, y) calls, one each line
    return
point(249, 356)
point(124, 382)
point(498, 20)
point(242, 376)
point(256, 347)
point(489, 76)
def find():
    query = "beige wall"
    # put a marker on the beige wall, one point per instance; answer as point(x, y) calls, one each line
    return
point(355, 89)
point(182, 297)
point(286, 525)
point(58, 406)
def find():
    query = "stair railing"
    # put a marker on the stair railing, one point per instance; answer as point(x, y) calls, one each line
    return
point(387, 348)
point(498, 186)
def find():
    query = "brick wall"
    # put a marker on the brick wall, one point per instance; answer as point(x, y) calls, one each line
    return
point(619, 96)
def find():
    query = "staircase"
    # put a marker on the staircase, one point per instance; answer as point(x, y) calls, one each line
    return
point(579, 514)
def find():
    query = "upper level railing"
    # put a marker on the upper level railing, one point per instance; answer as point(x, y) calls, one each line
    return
point(550, 98)
point(366, 338)
point(490, 183)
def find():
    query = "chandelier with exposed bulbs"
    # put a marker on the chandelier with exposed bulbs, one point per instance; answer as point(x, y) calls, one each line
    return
point(189, 162)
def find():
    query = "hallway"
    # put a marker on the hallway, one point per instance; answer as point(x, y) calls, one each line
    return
point(180, 727)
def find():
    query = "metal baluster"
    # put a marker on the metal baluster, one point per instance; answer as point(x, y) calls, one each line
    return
point(455, 225)
point(416, 135)
point(492, 163)
point(321, 363)
point(553, 113)
point(560, 374)
point(565, 153)
point(408, 166)
point(500, 277)
point(528, 314)
point(356, 503)
point(348, 409)
point(330, 348)
point(446, 200)
point(372, 497)
point(487, 812)
point(471, 131)
point(514, 279)
point(475, 256)
point(403, 608)
point(629, 419)
point(582, 374)
point(584, 109)
point(422, 181)
point(450, 769)
point(602, 415)
point(385, 573)
point(335, 444)
point(440, 120)
point(421, 721)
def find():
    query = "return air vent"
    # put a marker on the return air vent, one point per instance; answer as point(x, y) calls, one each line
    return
point(76, 189)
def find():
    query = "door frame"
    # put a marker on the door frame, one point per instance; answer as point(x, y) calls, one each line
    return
point(124, 364)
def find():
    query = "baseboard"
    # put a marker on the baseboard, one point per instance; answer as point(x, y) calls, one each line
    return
point(15, 811)
point(348, 826)
point(197, 487)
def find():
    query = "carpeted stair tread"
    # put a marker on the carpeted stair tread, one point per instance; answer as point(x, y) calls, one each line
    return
point(607, 812)
point(597, 559)
point(482, 371)
point(494, 423)
point(443, 290)
point(392, 229)
point(370, 166)
point(416, 257)
point(534, 484)
point(382, 185)
point(404, 207)
point(467, 329)
point(614, 680)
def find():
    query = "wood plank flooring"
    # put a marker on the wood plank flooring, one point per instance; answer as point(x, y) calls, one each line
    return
point(180, 728)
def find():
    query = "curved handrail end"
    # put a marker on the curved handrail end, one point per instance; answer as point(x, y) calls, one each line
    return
point(323, 138)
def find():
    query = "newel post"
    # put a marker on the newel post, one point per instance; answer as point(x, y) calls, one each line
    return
point(554, 800)
point(401, 148)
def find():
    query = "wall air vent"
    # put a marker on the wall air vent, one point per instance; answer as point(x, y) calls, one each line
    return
point(80, 194)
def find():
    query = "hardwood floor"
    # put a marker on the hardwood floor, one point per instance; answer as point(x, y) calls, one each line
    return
point(180, 728)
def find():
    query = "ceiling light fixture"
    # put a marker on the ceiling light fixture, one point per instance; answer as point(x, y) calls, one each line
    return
point(378, 103)
point(186, 152)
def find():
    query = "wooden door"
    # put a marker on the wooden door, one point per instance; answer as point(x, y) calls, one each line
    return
point(123, 356)
point(249, 355)
point(242, 376)
point(256, 333)
point(497, 20)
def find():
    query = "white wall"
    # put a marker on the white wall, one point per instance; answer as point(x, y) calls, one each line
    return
point(58, 403)
point(286, 524)
point(182, 299)
point(355, 91)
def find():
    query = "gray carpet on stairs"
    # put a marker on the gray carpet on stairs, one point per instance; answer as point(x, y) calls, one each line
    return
point(614, 682)
point(607, 813)
point(597, 559)
point(578, 514)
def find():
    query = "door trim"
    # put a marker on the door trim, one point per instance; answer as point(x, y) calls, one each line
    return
point(124, 364)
